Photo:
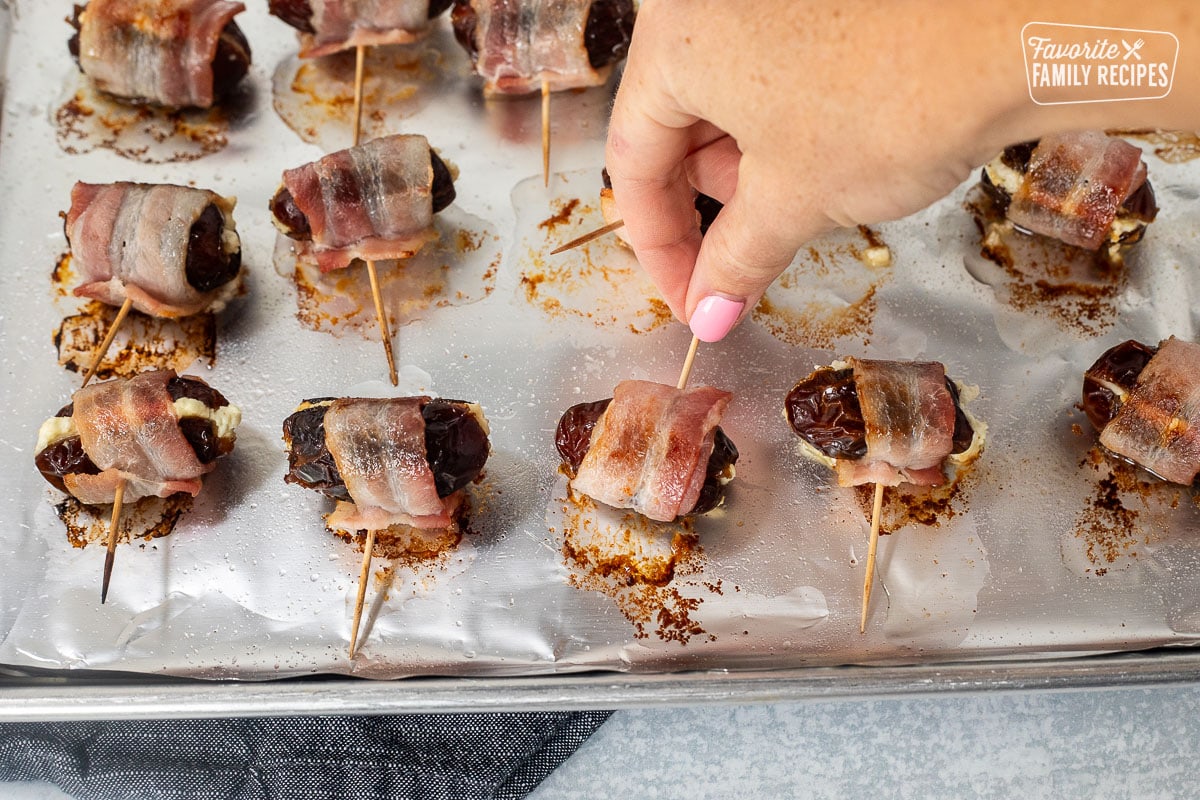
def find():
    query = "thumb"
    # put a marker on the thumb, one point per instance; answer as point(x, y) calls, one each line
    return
point(751, 242)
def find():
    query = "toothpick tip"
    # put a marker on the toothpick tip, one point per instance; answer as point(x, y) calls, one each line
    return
point(363, 576)
point(587, 237)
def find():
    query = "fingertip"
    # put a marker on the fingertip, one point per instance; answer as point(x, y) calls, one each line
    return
point(715, 316)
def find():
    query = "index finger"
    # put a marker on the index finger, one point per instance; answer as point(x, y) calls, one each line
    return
point(648, 140)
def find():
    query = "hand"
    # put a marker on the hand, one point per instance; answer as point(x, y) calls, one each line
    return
point(805, 115)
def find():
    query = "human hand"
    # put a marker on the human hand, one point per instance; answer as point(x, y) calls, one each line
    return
point(801, 117)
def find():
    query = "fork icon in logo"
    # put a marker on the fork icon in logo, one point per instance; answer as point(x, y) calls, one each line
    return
point(1132, 49)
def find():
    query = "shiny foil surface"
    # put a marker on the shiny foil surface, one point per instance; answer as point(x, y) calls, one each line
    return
point(1044, 548)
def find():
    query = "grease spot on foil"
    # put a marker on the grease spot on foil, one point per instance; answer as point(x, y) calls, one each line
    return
point(828, 294)
point(148, 518)
point(1125, 516)
point(88, 119)
point(1173, 147)
point(315, 97)
point(651, 570)
point(141, 343)
point(600, 282)
point(458, 268)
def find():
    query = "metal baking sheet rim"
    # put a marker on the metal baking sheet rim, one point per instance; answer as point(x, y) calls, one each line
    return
point(54, 696)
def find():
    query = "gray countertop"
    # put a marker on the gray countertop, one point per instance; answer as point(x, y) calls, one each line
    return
point(1126, 743)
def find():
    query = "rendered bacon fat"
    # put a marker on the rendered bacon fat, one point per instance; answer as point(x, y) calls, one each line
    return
point(1074, 186)
point(1148, 410)
point(175, 53)
point(157, 432)
point(649, 450)
point(887, 422)
point(387, 461)
point(329, 26)
point(514, 44)
point(173, 250)
point(374, 202)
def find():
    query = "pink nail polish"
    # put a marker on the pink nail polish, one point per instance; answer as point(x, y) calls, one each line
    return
point(714, 317)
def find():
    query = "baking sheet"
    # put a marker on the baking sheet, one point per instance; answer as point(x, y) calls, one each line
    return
point(1041, 551)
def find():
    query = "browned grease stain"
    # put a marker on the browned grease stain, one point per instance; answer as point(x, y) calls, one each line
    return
point(341, 301)
point(562, 216)
point(415, 549)
point(148, 518)
point(929, 506)
point(142, 343)
point(1075, 288)
point(90, 120)
point(1108, 526)
point(466, 241)
point(405, 546)
point(816, 325)
point(871, 237)
point(1173, 147)
point(320, 91)
point(63, 277)
point(820, 325)
point(646, 589)
point(556, 290)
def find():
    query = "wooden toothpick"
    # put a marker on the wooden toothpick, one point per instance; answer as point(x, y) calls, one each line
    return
point(876, 510)
point(98, 355)
point(587, 237)
point(376, 295)
point(113, 532)
point(363, 576)
point(359, 59)
point(545, 131)
point(384, 328)
point(686, 372)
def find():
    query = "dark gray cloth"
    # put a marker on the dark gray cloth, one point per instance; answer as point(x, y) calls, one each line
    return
point(434, 756)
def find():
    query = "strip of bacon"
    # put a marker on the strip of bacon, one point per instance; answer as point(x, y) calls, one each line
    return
point(345, 24)
point(909, 416)
point(129, 430)
point(1158, 425)
point(373, 201)
point(378, 446)
point(131, 239)
point(1074, 186)
point(158, 51)
point(520, 42)
point(650, 448)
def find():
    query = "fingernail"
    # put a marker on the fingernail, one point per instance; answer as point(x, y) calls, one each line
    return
point(714, 317)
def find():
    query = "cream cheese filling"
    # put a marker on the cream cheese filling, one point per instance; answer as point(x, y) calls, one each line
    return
point(225, 419)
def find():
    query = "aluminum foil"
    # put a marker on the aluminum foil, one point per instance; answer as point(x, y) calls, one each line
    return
point(1043, 549)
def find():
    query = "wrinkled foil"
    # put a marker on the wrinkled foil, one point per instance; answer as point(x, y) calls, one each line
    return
point(1044, 548)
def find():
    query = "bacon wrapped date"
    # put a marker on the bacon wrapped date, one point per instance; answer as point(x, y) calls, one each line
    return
point(293, 223)
point(441, 446)
point(1145, 402)
point(913, 421)
point(329, 26)
point(374, 201)
point(158, 431)
point(514, 43)
point(173, 250)
point(574, 438)
point(1085, 189)
point(179, 53)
